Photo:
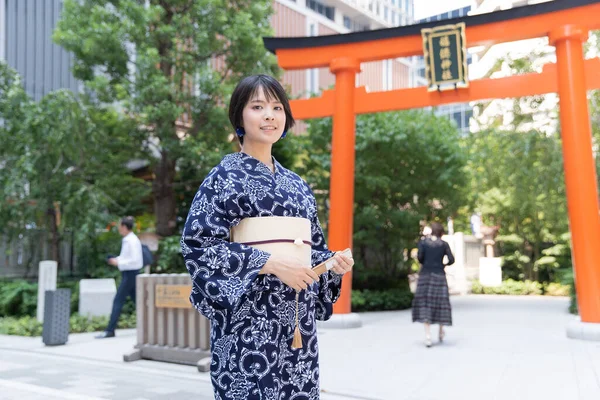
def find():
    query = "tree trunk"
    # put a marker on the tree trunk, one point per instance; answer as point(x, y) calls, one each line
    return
point(164, 196)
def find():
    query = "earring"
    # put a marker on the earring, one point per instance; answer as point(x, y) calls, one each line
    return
point(284, 133)
point(240, 132)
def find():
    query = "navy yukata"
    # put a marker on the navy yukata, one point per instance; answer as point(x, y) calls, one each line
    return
point(253, 316)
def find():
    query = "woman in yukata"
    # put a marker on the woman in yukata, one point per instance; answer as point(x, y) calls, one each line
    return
point(249, 295)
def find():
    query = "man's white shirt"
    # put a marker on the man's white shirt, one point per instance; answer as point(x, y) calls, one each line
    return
point(131, 253)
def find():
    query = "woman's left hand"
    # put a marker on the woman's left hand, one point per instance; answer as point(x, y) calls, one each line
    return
point(342, 264)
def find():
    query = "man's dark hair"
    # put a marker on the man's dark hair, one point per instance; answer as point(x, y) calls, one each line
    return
point(437, 229)
point(245, 91)
point(128, 222)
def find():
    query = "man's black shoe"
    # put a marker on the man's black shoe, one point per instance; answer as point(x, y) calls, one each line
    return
point(105, 335)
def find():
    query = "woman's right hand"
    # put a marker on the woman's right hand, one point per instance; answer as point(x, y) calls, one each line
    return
point(290, 271)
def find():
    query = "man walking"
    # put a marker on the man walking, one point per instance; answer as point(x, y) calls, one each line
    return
point(129, 262)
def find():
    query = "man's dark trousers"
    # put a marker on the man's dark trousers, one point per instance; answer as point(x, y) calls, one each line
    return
point(126, 288)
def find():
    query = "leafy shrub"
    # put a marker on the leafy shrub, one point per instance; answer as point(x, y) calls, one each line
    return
point(91, 255)
point(23, 326)
point(557, 289)
point(510, 287)
point(29, 326)
point(170, 259)
point(573, 309)
point(18, 298)
point(380, 300)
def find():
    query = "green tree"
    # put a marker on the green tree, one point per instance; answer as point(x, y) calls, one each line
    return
point(409, 168)
point(63, 163)
point(517, 176)
point(171, 64)
point(518, 184)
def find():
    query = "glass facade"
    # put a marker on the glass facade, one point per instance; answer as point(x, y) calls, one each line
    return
point(321, 8)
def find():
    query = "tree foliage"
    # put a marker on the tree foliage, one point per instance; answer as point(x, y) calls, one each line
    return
point(171, 64)
point(409, 168)
point(63, 163)
point(518, 185)
point(517, 177)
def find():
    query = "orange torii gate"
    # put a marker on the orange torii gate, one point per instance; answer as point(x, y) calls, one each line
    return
point(565, 22)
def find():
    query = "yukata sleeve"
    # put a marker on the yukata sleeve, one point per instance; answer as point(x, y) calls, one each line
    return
point(222, 273)
point(330, 283)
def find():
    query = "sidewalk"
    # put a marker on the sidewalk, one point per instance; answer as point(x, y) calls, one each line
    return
point(500, 348)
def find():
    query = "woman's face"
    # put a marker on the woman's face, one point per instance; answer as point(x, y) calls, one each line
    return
point(264, 120)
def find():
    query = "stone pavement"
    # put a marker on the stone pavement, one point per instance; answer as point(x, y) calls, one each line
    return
point(499, 348)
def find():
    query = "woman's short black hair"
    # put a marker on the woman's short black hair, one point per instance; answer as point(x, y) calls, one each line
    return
point(437, 229)
point(128, 222)
point(247, 88)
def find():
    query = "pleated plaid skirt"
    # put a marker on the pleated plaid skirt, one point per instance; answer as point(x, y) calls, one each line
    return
point(432, 301)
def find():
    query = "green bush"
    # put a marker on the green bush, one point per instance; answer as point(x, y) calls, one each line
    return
point(569, 278)
point(170, 260)
point(518, 288)
point(91, 255)
point(381, 300)
point(573, 309)
point(29, 326)
point(557, 289)
point(510, 287)
point(18, 298)
point(23, 326)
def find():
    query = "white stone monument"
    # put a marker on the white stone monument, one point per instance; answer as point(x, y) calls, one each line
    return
point(490, 271)
point(46, 281)
point(455, 273)
point(490, 267)
point(96, 297)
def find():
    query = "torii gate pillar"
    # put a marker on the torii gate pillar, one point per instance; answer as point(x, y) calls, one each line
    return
point(342, 167)
point(580, 169)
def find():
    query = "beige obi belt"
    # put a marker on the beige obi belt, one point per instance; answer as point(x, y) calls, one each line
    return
point(281, 236)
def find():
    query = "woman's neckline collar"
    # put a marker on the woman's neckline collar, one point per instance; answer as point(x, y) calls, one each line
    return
point(275, 162)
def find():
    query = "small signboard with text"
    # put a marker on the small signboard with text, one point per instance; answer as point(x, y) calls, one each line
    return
point(172, 296)
point(445, 53)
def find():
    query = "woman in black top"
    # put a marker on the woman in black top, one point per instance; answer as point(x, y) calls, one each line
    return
point(431, 304)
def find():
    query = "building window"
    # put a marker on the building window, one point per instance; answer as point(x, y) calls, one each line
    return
point(353, 25)
point(457, 116)
point(385, 13)
point(387, 82)
point(321, 8)
point(312, 77)
point(468, 116)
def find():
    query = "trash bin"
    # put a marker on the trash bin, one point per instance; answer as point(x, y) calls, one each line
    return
point(57, 310)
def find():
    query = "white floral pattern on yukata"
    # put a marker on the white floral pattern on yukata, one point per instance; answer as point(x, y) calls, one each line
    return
point(253, 317)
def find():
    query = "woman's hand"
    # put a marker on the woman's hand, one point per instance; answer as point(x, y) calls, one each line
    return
point(342, 264)
point(290, 271)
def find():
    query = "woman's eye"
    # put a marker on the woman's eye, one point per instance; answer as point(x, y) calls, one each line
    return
point(256, 107)
point(278, 108)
